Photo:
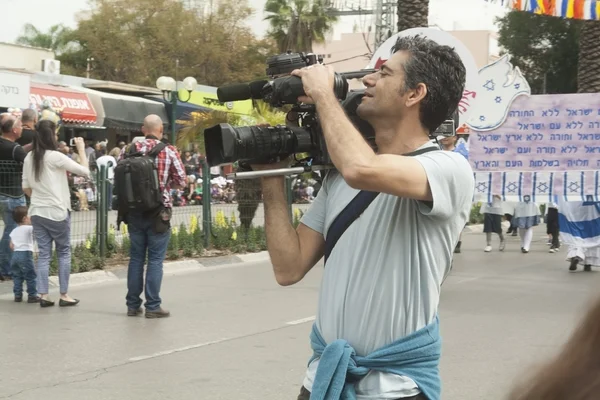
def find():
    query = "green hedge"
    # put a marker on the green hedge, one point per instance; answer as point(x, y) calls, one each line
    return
point(186, 241)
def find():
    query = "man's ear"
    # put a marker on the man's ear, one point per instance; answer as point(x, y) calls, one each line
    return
point(416, 95)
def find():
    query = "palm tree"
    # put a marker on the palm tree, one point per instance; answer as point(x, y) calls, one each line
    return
point(57, 38)
point(588, 78)
point(297, 24)
point(413, 14)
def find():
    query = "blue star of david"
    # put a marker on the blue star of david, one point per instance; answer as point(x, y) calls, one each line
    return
point(517, 86)
point(542, 187)
point(482, 187)
point(574, 187)
point(482, 118)
point(498, 99)
point(512, 187)
point(490, 85)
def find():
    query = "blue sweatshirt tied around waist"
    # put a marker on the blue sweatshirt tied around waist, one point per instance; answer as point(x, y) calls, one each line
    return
point(415, 356)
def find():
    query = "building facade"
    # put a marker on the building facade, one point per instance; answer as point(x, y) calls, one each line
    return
point(28, 58)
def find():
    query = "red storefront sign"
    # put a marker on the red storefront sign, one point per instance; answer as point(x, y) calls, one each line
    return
point(76, 107)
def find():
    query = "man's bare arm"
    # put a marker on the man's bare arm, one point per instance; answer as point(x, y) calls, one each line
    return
point(293, 252)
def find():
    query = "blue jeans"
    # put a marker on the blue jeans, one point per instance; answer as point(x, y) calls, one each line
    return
point(23, 271)
point(145, 241)
point(47, 231)
point(8, 204)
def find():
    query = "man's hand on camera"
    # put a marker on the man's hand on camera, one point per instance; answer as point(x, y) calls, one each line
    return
point(317, 80)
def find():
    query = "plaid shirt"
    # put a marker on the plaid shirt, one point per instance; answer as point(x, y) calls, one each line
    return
point(169, 166)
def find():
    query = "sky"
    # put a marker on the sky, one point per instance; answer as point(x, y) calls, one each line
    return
point(447, 14)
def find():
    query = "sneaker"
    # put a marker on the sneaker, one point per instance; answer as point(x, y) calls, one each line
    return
point(487, 249)
point(502, 245)
point(160, 313)
point(552, 250)
point(18, 299)
point(587, 268)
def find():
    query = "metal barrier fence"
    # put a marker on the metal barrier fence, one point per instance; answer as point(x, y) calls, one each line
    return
point(228, 216)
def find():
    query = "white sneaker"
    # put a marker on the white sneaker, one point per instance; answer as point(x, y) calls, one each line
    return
point(487, 249)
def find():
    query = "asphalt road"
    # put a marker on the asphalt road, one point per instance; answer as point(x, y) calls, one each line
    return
point(234, 334)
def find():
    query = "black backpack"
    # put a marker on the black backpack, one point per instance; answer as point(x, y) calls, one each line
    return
point(137, 184)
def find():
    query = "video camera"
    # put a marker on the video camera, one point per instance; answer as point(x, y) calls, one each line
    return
point(265, 145)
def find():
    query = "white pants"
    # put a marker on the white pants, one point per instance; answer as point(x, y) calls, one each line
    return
point(526, 237)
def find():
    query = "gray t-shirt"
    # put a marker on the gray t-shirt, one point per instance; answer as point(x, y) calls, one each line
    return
point(382, 280)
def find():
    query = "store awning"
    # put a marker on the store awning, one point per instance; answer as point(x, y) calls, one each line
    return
point(124, 112)
point(211, 100)
point(76, 107)
point(128, 112)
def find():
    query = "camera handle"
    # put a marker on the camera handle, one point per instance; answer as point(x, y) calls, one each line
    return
point(278, 172)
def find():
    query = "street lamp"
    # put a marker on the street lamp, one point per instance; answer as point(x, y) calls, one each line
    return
point(168, 87)
point(170, 92)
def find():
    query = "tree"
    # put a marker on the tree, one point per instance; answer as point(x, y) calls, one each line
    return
point(57, 38)
point(545, 48)
point(136, 41)
point(296, 24)
point(589, 58)
point(413, 14)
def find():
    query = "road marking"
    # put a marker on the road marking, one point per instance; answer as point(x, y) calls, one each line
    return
point(167, 352)
point(222, 340)
point(301, 321)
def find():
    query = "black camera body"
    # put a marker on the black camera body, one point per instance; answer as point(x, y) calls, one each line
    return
point(265, 145)
point(254, 144)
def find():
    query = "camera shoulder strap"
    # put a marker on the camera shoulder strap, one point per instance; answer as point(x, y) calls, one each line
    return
point(354, 209)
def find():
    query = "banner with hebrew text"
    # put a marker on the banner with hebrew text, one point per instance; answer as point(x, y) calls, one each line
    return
point(549, 145)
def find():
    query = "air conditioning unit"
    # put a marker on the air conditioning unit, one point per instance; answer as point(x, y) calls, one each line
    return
point(51, 66)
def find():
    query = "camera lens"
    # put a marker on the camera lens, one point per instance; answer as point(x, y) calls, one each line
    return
point(226, 144)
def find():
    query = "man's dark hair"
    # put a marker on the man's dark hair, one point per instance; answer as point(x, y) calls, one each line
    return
point(28, 115)
point(441, 70)
point(19, 213)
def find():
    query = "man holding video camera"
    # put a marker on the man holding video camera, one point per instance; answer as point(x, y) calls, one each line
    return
point(376, 334)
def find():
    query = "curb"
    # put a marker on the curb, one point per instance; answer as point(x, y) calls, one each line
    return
point(170, 268)
point(176, 267)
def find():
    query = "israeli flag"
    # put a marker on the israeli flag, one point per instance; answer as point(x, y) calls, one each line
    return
point(543, 187)
point(483, 187)
point(579, 224)
point(574, 185)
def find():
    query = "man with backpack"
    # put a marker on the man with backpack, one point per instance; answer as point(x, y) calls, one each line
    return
point(144, 176)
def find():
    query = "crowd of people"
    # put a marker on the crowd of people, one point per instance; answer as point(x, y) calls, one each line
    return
point(39, 178)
